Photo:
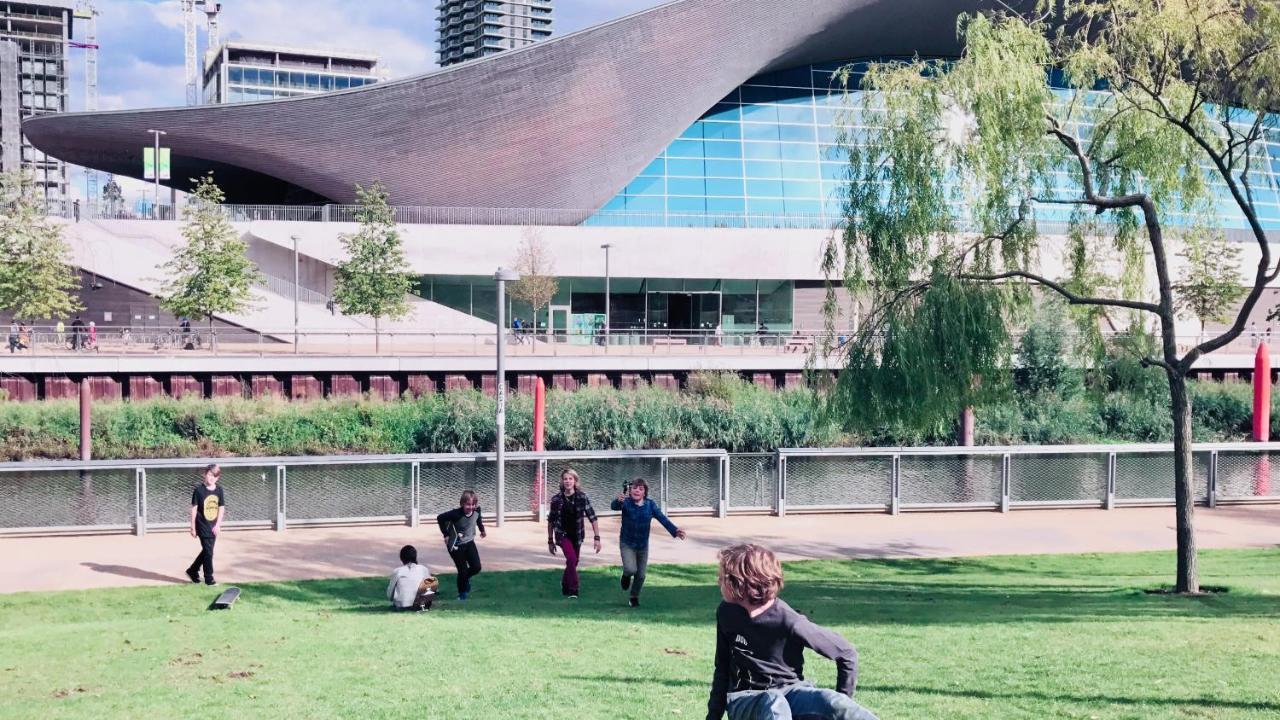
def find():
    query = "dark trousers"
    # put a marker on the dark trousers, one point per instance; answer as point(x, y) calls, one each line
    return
point(466, 558)
point(205, 558)
point(572, 551)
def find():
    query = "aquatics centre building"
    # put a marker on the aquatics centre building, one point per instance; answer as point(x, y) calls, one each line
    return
point(697, 140)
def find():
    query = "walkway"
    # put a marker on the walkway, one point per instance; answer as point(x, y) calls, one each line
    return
point(244, 556)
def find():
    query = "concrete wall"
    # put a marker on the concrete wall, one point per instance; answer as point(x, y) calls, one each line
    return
point(111, 304)
point(10, 122)
point(277, 261)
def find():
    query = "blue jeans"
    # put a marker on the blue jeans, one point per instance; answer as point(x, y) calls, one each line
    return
point(801, 701)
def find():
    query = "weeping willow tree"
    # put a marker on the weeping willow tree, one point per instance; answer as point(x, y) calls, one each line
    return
point(1152, 110)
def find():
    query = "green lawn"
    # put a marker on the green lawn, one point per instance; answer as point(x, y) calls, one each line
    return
point(1032, 637)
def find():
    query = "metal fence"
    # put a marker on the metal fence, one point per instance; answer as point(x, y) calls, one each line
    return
point(1005, 478)
point(138, 496)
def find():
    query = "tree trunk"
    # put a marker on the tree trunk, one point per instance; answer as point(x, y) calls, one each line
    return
point(1183, 487)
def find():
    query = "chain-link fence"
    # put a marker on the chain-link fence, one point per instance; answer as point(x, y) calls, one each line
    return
point(49, 498)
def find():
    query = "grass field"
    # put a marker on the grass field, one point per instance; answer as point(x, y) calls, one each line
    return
point(1029, 637)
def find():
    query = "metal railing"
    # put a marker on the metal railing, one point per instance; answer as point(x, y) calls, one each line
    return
point(1005, 478)
point(118, 340)
point(44, 498)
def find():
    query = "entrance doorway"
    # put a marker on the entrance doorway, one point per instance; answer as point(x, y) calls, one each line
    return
point(684, 312)
point(557, 319)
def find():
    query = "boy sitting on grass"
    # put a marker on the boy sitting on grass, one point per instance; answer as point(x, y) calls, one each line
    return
point(760, 644)
point(412, 585)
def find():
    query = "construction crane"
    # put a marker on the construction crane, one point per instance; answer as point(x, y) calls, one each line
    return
point(194, 69)
point(87, 14)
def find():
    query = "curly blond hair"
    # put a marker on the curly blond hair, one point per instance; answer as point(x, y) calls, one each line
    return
point(750, 574)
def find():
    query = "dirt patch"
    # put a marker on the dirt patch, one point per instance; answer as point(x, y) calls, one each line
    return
point(63, 694)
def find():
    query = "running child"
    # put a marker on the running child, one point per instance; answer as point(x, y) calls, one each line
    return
point(459, 527)
point(760, 642)
point(208, 508)
point(567, 529)
point(638, 514)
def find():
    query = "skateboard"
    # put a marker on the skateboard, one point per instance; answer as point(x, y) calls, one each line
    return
point(227, 599)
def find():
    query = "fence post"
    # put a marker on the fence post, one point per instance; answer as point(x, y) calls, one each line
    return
point(282, 497)
point(663, 481)
point(723, 510)
point(541, 490)
point(140, 502)
point(1005, 482)
point(895, 500)
point(415, 473)
point(780, 502)
point(1213, 479)
point(1110, 501)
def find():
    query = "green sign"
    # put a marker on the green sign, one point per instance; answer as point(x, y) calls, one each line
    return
point(149, 163)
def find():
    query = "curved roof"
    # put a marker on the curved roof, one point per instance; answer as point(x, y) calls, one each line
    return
point(560, 124)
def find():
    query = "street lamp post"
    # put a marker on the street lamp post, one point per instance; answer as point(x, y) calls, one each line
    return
point(295, 293)
point(156, 167)
point(503, 276)
point(606, 247)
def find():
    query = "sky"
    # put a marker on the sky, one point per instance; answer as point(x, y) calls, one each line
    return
point(140, 63)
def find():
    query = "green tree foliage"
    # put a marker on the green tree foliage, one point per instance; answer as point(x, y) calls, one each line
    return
point(374, 279)
point(1209, 286)
point(37, 277)
point(1156, 101)
point(211, 273)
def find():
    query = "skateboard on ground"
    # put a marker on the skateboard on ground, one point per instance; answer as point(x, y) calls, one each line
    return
point(227, 599)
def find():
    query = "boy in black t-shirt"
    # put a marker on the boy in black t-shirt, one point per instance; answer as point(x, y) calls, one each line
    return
point(208, 507)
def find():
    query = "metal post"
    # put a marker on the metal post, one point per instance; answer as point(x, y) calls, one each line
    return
point(503, 276)
point(140, 502)
point(282, 497)
point(663, 479)
point(295, 293)
point(781, 500)
point(1110, 501)
point(895, 502)
point(606, 247)
point(725, 475)
point(1005, 482)
point(1213, 479)
point(156, 167)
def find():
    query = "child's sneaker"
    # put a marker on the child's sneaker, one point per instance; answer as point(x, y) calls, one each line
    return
point(634, 602)
point(626, 582)
point(195, 576)
point(462, 597)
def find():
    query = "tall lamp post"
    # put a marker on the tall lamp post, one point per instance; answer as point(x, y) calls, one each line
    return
point(155, 167)
point(503, 276)
point(295, 293)
point(605, 247)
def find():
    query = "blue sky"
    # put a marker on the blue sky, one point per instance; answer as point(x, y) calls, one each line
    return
point(140, 62)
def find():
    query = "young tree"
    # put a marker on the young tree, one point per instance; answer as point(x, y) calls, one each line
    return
point(1153, 101)
point(537, 285)
point(211, 273)
point(375, 278)
point(37, 277)
point(1209, 286)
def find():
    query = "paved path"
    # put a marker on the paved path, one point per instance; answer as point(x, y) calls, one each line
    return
point(123, 560)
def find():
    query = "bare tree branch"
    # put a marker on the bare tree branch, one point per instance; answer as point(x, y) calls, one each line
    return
point(1071, 297)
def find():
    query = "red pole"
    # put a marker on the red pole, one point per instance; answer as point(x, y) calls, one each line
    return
point(539, 442)
point(86, 421)
point(1262, 417)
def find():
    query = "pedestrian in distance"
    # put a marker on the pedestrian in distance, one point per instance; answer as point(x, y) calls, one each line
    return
point(24, 336)
point(61, 331)
point(412, 586)
point(14, 343)
point(93, 336)
point(459, 527)
point(567, 529)
point(638, 514)
point(760, 643)
point(208, 509)
point(77, 333)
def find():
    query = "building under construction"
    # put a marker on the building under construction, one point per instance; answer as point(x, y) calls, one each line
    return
point(34, 80)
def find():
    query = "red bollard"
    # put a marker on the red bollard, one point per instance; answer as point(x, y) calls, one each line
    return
point(1262, 417)
point(539, 442)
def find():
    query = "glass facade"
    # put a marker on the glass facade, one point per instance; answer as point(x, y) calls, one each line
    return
point(247, 83)
point(766, 156)
point(635, 304)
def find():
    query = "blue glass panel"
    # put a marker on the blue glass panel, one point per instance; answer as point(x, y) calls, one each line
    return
point(837, 172)
point(686, 204)
point(326, 82)
point(760, 113)
point(721, 130)
point(828, 133)
point(619, 202)
point(752, 94)
point(645, 186)
point(763, 168)
point(795, 77)
point(342, 83)
point(686, 186)
point(792, 189)
point(722, 187)
point(693, 132)
point(685, 148)
point(724, 168)
point(656, 168)
point(761, 151)
point(646, 204)
point(799, 151)
point(796, 133)
point(759, 131)
point(235, 74)
point(800, 170)
point(723, 112)
point(803, 207)
point(798, 114)
point(726, 205)
point(732, 97)
point(765, 206)
point(764, 188)
point(723, 149)
point(680, 167)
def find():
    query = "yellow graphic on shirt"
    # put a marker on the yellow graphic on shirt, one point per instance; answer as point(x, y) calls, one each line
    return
point(211, 508)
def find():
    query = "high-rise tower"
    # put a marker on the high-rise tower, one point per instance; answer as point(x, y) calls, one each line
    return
point(471, 29)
